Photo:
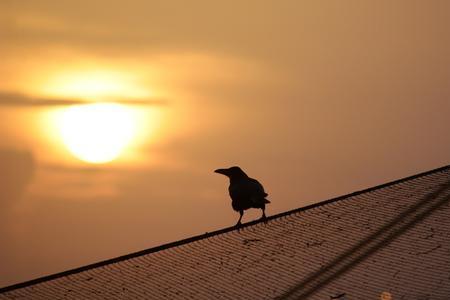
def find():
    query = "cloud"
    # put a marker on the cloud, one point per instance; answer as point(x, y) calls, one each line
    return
point(13, 99)
point(17, 169)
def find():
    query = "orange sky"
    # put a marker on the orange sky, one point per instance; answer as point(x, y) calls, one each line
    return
point(314, 99)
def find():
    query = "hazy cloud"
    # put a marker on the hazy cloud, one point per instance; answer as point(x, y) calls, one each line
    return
point(21, 100)
point(17, 169)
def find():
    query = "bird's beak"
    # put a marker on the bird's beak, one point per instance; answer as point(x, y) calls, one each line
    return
point(221, 171)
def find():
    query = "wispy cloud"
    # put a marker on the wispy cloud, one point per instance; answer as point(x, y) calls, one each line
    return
point(20, 100)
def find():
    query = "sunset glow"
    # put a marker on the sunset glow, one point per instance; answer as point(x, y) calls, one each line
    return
point(92, 83)
point(114, 116)
point(97, 133)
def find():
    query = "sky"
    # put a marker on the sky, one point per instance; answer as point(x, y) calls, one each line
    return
point(315, 99)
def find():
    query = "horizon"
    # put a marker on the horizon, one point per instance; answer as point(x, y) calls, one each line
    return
point(114, 117)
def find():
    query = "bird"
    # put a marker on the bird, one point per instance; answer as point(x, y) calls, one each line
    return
point(245, 192)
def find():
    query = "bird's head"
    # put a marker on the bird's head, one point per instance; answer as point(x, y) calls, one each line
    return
point(232, 173)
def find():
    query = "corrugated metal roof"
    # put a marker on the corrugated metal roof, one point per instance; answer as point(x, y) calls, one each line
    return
point(388, 242)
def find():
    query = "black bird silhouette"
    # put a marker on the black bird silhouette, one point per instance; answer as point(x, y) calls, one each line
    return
point(245, 192)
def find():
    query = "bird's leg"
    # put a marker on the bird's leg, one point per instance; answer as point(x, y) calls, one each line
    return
point(241, 213)
point(263, 217)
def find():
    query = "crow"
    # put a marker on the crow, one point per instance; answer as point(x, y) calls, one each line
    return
point(245, 192)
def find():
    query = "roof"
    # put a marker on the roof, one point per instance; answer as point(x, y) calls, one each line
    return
point(387, 242)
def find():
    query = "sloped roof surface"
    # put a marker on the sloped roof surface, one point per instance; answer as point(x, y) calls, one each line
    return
point(387, 242)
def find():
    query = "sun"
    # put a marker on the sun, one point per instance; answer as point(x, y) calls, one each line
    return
point(97, 133)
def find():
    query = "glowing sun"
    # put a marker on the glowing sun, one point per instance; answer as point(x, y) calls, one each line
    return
point(97, 133)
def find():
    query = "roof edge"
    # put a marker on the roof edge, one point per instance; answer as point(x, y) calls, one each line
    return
point(209, 234)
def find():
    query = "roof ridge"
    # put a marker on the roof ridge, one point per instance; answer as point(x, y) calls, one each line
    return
point(210, 234)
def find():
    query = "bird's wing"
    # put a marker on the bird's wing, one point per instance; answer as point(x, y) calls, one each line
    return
point(247, 189)
point(257, 192)
point(257, 188)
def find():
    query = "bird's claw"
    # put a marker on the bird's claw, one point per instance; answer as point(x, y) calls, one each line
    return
point(264, 219)
point(238, 226)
